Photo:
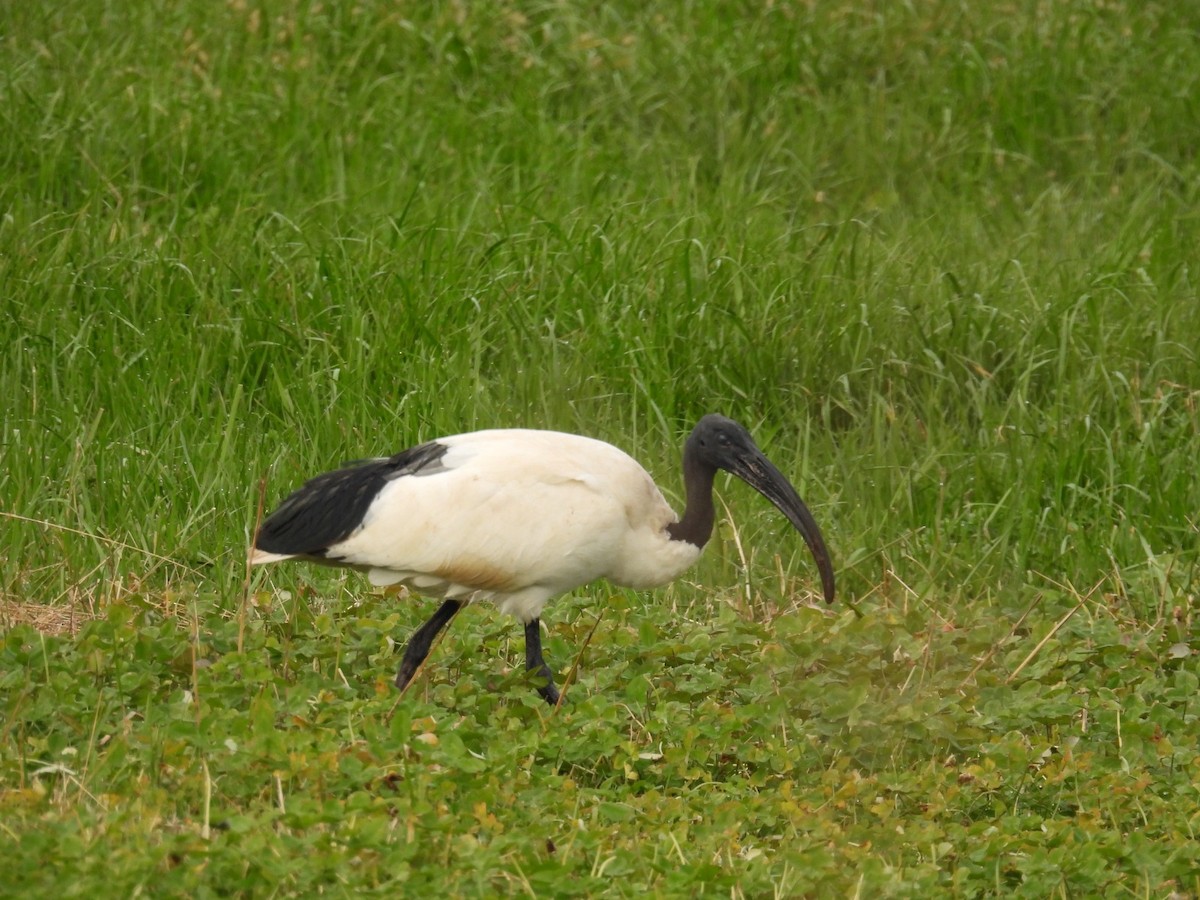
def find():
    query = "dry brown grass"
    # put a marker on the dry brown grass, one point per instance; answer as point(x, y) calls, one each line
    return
point(56, 619)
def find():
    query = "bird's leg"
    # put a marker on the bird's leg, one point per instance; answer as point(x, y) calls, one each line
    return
point(535, 663)
point(419, 643)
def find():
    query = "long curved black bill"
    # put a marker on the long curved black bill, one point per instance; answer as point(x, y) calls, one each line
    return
point(760, 473)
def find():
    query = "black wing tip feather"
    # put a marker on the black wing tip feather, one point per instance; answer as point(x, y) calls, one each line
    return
point(327, 509)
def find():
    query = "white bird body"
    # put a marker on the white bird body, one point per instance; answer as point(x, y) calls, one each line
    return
point(516, 517)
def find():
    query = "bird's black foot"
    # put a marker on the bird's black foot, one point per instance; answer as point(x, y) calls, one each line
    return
point(405, 674)
point(536, 664)
point(549, 692)
point(422, 640)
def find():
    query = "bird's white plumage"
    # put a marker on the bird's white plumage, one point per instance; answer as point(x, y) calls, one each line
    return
point(517, 517)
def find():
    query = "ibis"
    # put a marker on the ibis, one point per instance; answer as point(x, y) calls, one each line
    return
point(516, 517)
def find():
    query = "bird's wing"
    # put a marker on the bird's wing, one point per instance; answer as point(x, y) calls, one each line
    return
point(494, 511)
point(507, 511)
point(328, 508)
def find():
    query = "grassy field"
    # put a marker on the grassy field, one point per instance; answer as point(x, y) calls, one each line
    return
point(938, 257)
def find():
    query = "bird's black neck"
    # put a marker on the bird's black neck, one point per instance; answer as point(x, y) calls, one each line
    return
point(697, 523)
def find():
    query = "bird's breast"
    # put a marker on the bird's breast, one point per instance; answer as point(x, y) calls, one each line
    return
point(651, 558)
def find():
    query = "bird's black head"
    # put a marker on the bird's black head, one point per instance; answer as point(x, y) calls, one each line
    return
point(722, 443)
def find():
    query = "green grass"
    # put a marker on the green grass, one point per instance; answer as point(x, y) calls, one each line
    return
point(939, 257)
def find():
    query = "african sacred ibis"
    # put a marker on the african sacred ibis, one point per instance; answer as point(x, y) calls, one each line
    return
point(517, 517)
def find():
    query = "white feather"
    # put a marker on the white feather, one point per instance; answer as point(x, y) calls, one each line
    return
point(517, 517)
